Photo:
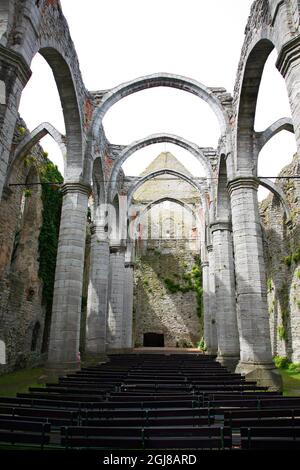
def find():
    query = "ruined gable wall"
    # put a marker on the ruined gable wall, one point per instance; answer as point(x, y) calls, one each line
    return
point(282, 255)
point(20, 286)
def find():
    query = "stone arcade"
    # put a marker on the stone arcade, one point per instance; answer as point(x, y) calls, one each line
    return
point(236, 313)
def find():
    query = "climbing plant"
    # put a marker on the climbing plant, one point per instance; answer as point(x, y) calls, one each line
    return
point(48, 239)
point(191, 281)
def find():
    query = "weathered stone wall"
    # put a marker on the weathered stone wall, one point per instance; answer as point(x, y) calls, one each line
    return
point(21, 309)
point(156, 310)
point(282, 256)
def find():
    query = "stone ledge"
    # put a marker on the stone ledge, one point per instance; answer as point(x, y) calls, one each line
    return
point(266, 375)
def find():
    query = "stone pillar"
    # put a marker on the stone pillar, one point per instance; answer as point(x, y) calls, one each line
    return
point(97, 293)
point(212, 303)
point(206, 312)
point(288, 63)
point(14, 74)
point(116, 298)
point(255, 343)
point(66, 311)
point(228, 335)
point(128, 305)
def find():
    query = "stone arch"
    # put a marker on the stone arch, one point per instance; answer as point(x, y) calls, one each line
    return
point(160, 201)
point(213, 97)
point(154, 139)
point(267, 183)
point(176, 174)
point(247, 105)
point(283, 124)
point(45, 128)
point(71, 110)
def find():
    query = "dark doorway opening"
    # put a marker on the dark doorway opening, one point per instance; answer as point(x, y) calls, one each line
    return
point(154, 340)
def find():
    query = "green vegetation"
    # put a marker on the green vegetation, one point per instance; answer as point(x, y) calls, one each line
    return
point(292, 258)
point(270, 285)
point(27, 192)
point(191, 281)
point(290, 373)
point(48, 239)
point(282, 333)
point(20, 381)
point(21, 130)
point(285, 311)
point(202, 345)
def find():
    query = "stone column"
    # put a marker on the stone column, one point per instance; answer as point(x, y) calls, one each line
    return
point(206, 312)
point(228, 336)
point(212, 303)
point(255, 344)
point(128, 305)
point(14, 74)
point(66, 311)
point(116, 298)
point(97, 293)
point(288, 63)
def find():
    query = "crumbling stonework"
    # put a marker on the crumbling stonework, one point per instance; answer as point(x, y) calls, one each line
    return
point(22, 314)
point(232, 250)
point(156, 309)
point(282, 255)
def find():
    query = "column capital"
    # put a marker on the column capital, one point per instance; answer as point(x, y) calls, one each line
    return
point(287, 55)
point(249, 182)
point(220, 225)
point(210, 248)
point(204, 264)
point(16, 61)
point(99, 231)
point(117, 248)
point(76, 188)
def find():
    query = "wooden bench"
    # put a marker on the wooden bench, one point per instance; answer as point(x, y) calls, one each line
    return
point(24, 432)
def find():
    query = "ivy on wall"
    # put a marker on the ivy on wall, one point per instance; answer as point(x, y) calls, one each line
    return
point(191, 281)
point(48, 239)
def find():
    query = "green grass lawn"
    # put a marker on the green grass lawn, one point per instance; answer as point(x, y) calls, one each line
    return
point(291, 382)
point(20, 381)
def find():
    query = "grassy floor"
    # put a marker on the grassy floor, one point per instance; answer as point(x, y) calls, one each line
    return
point(291, 382)
point(19, 382)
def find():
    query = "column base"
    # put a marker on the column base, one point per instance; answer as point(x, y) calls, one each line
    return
point(211, 351)
point(92, 358)
point(55, 370)
point(119, 351)
point(266, 375)
point(230, 362)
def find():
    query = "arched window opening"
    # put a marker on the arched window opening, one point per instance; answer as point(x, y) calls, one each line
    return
point(273, 104)
point(274, 156)
point(137, 163)
point(40, 102)
point(161, 109)
point(35, 336)
point(28, 214)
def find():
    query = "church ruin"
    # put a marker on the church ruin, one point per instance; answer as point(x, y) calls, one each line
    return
point(85, 277)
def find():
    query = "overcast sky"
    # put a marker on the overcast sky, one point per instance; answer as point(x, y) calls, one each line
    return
point(119, 40)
